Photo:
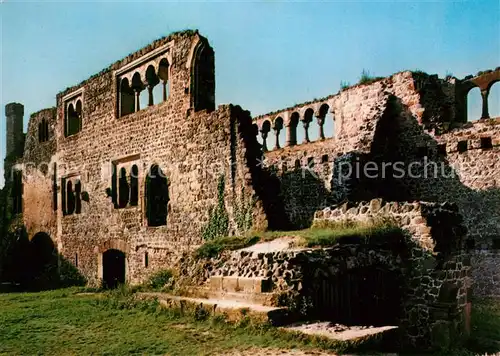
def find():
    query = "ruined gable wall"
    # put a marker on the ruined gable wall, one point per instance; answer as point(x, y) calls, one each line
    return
point(38, 187)
point(193, 149)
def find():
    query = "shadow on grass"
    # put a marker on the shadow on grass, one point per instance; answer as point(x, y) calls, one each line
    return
point(35, 265)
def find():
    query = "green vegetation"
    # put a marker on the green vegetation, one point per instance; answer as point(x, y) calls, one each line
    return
point(320, 235)
point(485, 321)
point(344, 85)
point(160, 279)
point(213, 247)
point(218, 220)
point(68, 322)
point(366, 78)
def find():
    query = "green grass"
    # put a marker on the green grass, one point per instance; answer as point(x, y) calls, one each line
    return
point(325, 235)
point(485, 321)
point(64, 323)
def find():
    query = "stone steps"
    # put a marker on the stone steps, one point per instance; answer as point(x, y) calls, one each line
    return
point(244, 297)
point(240, 284)
point(231, 309)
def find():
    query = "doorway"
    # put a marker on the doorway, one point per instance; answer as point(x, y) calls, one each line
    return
point(113, 273)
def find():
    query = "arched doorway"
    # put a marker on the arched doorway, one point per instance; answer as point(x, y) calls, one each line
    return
point(43, 254)
point(113, 262)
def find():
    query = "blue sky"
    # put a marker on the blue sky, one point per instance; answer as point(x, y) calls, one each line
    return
point(269, 54)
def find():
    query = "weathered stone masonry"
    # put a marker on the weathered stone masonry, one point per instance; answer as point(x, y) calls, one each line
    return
point(192, 143)
point(85, 166)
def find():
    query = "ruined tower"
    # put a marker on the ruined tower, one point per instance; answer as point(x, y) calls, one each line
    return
point(14, 123)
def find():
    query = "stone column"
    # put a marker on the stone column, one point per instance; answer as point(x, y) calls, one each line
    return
point(150, 94)
point(277, 141)
point(321, 122)
point(306, 131)
point(291, 135)
point(164, 84)
point(485, 114)
point(264, 139)
point(137, 100)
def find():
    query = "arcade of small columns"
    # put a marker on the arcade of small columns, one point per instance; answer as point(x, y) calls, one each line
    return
point(291, 125)
point(484, 82)
point(146, 76)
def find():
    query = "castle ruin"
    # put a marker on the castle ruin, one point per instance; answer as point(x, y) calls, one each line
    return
point(122, 189)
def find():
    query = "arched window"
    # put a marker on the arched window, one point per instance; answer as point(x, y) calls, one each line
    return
point(134, 185)
point(126, 98)
point(494, 100)
point(137, 87)
point(43, 131)
point(326, 122)
point(78, 197)
point(163, 69)
point(474, 104)
point(151, 80)
point(70, 198)
point(203, 78)
point(157, 197)
point(123, 189)
point(73, 122)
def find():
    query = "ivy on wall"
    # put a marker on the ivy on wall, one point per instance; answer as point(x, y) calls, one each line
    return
point(218, 220)
point(243, 210)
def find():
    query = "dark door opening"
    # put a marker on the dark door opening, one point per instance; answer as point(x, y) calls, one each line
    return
point(113, 263)
point(362, 296)
point(43, 256)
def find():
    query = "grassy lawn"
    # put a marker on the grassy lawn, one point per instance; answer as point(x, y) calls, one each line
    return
point(62, 323)
point(325, 235)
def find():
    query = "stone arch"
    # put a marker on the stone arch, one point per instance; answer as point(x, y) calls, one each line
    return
point(326, 122)
point(280, 132)
point(151, 80)
point(113, 268)
point(309, 126)
point(141, 96)
point(203, 77)
point(494, 98)
point(126, 98)
point(157, 197)
point(473, 101)
point(43, 254)
point(163, 75)
point(73, 118)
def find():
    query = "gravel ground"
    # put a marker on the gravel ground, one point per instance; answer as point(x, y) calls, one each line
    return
point(337, 331)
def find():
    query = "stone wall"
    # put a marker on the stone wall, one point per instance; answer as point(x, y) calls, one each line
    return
point(193, 147)
point(360, 113)
point(40, 190)
point(435, 270)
